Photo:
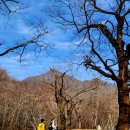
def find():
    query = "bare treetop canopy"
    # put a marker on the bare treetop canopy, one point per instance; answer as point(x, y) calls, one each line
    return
point(38, 31)
point(11, 6)
point(101, 23)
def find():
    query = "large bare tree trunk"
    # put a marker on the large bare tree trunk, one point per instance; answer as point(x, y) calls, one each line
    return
point(62, 123)
point(123, 97)
point(69, 115)
point(124, 111)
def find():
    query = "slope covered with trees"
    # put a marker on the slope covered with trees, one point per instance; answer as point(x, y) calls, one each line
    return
point(23, 103)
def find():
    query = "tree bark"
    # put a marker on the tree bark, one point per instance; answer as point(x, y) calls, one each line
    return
point(124, 111)
point(69, 115)
point(123, 97)
point(62, 125)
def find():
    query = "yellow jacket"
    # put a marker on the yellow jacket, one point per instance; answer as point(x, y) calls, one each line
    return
point(41, 126)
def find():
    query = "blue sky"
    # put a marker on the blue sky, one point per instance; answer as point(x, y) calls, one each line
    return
point(16, 27)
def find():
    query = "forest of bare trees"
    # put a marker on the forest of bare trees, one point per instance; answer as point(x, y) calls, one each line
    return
point(24, 103)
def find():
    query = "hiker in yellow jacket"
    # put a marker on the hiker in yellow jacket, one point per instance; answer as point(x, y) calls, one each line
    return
point(41, 126)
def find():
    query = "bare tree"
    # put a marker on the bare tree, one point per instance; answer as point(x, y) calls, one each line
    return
point(66, 97)
point(104, 27)
point(13, 7)
point(60, 97)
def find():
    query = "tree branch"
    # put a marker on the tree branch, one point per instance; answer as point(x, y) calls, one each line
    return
point(104, 30)
point(102, 10)
point(34, 40)
point(120, 6)
point(113, 76)
point(127, 12)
